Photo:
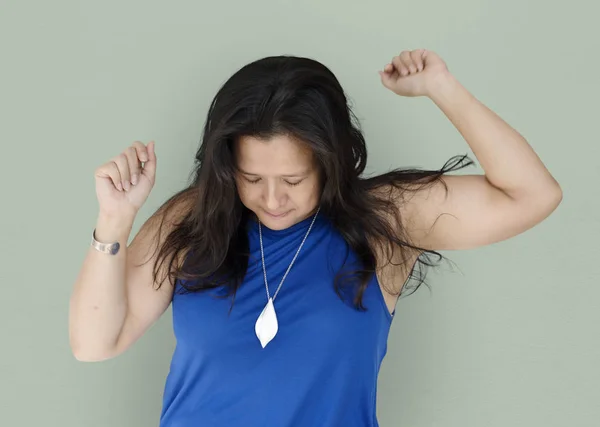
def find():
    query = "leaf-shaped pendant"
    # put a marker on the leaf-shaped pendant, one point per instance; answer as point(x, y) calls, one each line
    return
point(266, 325)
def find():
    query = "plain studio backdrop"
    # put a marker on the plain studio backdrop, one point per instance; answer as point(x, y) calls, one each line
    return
point(508, 336)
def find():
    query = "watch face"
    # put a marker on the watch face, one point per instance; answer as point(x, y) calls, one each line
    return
point(114, 248)
point(107, 248)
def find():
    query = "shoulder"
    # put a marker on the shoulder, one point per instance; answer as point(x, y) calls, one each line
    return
point(401, 205)
point(393, 245)
point(414, 208)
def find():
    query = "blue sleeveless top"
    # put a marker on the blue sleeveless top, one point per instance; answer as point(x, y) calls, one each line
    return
point(320, 369)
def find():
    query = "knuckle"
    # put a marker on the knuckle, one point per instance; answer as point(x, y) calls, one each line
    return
point(129, 152)
point(114, 169)
point(143, 154)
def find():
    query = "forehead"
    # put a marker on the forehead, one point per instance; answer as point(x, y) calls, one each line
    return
point(279, 155)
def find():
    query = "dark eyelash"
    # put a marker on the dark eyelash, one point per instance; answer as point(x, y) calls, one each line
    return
point(293, 184)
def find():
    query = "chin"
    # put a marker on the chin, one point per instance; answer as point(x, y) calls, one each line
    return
point(278, 223)
point(275, 226)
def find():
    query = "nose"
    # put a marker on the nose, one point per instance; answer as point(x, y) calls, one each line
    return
point(274, 197)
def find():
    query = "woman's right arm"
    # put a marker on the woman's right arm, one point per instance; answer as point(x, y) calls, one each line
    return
point(114, 300)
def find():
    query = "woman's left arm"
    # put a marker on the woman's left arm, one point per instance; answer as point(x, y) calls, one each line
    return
point(516, 191)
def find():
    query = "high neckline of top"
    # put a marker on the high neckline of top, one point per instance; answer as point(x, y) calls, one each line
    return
point(292, 229)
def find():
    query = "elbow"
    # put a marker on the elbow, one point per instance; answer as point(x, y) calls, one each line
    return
point(545, 195)
point(539, 203)
point(548, 199)
point(555, 196)
point(559, 192)
point(86, 349)
point(89, 357)
point(83, 353)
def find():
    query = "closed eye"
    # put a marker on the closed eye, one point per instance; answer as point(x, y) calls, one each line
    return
point(255, 181)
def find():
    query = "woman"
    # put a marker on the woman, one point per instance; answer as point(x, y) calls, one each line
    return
point(278, 203)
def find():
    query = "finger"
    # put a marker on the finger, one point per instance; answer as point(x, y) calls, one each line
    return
point(134, 163)
point(390, 73)
point(142, 151)
point(386, 79)
point(400, 67)
point(111, 170)
point(149, 169)
point(417, 58)
point(123, 166)
point(408, 62)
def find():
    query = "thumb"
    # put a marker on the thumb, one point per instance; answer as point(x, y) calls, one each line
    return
point(386, 79)
point(150, 166)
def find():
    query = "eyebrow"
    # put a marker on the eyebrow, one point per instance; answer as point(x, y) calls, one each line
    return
point(294, 175)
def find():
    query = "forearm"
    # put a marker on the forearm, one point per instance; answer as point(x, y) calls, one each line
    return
point(98, 304)
point(509, 162)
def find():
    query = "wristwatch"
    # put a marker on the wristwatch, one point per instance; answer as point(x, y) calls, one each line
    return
point(107, 248)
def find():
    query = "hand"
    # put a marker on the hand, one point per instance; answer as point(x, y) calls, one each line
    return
point(123, 184)
point(412, 73)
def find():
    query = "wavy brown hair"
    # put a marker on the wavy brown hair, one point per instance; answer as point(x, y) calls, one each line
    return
point(300, 98)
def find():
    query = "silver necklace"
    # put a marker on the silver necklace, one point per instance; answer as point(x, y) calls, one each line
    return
point(266, 326)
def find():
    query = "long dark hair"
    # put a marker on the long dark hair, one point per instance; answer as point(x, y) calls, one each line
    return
point(300, 98)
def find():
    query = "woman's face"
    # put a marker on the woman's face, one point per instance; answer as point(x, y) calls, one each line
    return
point(277, 180)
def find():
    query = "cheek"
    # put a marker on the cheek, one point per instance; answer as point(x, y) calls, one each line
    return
point(251, 195)
point(305, 196)
point(242, 190)
point(246, 194)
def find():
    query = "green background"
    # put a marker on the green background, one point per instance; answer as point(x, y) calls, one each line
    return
point(509, 335)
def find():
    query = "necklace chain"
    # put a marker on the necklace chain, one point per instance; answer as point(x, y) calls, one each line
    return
point(262, 254)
